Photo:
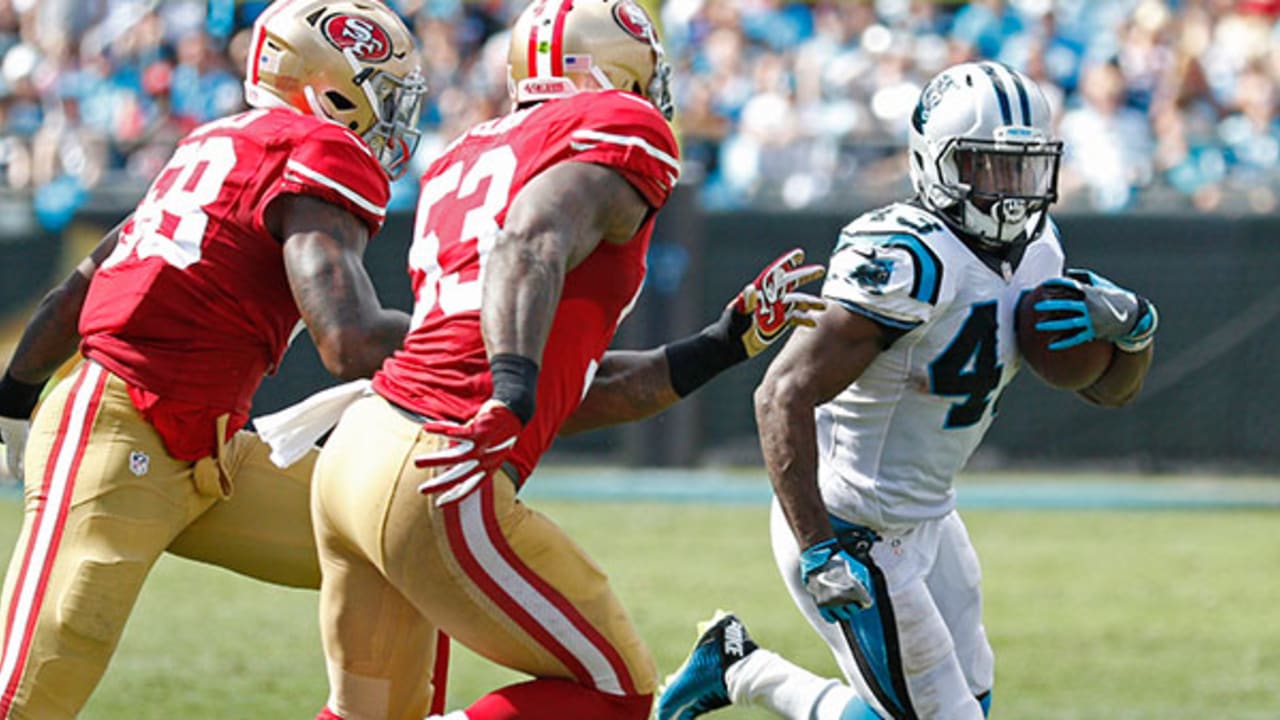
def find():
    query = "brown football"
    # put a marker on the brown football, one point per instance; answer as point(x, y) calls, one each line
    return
point(1074, 368)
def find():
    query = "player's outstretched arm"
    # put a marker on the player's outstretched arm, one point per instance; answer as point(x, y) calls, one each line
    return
point(812, 368)
point(632, 385)
point(50, 338)
point(323, 245)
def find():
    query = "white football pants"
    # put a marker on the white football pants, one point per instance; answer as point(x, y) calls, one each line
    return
point(920, 651)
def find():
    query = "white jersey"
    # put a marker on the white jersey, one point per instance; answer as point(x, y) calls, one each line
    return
point(892, 442)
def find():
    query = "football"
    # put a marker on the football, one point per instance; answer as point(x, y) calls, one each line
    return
point(1074, 368)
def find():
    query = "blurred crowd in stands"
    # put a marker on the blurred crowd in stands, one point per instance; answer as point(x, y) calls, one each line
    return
point(1164, 104)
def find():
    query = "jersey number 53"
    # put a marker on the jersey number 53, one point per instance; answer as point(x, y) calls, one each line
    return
point(458, 212)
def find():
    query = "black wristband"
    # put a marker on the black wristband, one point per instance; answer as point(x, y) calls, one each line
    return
point(515, 383)
point(694, 360)
point(17, 398)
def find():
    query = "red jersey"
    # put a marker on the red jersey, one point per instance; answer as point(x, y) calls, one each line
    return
point(193, 308)
point(442, 371)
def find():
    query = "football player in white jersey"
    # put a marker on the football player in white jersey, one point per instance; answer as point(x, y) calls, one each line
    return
point(866, 419)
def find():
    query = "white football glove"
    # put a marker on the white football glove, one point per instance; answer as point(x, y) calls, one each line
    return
point(13, 432)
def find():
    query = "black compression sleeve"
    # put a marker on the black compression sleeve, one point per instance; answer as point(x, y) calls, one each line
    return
point(18, 399)
point(694, 360)
point(515, 383)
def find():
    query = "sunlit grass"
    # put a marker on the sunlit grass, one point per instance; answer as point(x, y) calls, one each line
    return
point(1124, 615)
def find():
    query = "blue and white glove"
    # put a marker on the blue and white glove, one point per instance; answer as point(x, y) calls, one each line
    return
point(836, 581)
point(1105, 312)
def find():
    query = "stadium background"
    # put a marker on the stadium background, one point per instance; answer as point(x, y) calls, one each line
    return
point(792, 121)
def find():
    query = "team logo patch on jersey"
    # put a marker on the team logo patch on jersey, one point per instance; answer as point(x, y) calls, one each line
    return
point(874, 274)
point(365, 38)
point(139, 463)
point(632, 18)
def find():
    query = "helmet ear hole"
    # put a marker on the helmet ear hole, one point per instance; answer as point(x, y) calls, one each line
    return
point(918, 159)
point(340, 102)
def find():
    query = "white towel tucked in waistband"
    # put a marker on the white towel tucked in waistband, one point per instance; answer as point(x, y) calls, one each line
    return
point(293, 431)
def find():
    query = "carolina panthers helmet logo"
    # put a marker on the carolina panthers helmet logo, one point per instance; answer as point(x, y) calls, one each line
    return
point(930, 99)
point(363, 37)
point(632, 18)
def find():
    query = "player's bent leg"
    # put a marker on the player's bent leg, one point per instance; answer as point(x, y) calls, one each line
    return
point(264, 529)
point(378, 647)
point(521, 593)
point(726, 667)
point(955, 583)
point(103, 499)
point(527, 596)
point(493, 575)
point(898, 654)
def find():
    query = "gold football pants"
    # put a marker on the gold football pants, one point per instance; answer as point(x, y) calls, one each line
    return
point(491, 573)
point(103, 499)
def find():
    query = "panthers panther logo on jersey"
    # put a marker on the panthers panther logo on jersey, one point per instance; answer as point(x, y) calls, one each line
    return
point(874, 274)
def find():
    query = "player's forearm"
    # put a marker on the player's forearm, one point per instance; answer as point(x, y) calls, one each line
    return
point(630, 385)
point(1122, 381)
point(52, 336)
point(352, 332)
point(358, 347)
point(788, 442)
point(522, 280)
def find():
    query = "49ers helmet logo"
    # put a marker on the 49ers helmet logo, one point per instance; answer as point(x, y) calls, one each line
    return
point(632, 18)
point(362, 36)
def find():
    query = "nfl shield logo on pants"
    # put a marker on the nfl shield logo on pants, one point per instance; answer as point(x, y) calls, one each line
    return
point(139, 463)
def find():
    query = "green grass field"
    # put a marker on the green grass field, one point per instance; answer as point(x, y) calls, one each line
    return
point(1102, 614)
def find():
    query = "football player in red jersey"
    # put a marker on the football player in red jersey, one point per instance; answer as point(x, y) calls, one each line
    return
point(529, 250)
point(256, 225)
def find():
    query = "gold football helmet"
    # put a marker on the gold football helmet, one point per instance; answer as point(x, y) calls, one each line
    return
point(351, 61)
point(612, 41)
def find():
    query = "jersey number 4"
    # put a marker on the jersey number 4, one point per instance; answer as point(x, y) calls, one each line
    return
point(969, 367)
point(459, 189)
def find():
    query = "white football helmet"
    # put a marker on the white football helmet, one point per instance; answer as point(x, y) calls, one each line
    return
point(982, 151)
point(350, 61)
point(613, 41)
